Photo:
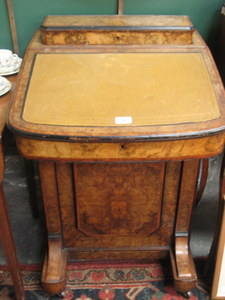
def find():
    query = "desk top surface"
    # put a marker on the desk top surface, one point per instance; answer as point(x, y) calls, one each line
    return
point(117, 89)
point(118, 92)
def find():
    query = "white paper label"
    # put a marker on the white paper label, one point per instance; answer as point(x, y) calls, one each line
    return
point(123, 120)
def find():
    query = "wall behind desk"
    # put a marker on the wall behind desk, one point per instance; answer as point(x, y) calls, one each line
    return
point(29, 14)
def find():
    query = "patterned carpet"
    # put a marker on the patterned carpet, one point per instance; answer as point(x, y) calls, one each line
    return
point(103, 281)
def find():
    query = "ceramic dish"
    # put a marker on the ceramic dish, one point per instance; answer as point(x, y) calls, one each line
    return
point(11, 68)
point(5, 85)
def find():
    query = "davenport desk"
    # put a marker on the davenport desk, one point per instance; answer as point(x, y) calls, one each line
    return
point(118, 111)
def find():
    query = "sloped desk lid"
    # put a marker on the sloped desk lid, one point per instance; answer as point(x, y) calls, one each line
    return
point(117, 89)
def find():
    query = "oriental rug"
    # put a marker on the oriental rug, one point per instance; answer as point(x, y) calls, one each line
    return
point(134, 280)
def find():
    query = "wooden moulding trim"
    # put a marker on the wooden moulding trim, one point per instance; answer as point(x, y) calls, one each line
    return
point(122, 28)
point(117, 20)
point(154, 150)
point(122, 249)
point(110, 255)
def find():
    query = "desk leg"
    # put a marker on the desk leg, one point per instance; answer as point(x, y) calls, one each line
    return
point(54, 270)
point(9, 248)
point(182, 262)
point(29, 168)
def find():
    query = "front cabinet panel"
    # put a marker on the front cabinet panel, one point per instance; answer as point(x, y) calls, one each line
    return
point(118, 199)
point(117, 205)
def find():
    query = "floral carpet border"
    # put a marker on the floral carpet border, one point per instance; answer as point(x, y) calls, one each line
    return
point(104, 281)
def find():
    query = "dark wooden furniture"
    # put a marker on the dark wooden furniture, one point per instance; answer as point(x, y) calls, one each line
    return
point(216, 262)
point(118, 111)
point(6, 236)
point(218, 286)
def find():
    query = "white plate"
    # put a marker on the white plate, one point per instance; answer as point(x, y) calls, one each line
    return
point(5, 85)
point(11, 69)
point(10, 72)
point(5, 91)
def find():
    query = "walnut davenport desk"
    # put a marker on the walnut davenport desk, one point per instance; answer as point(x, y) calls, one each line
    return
point(118, 111)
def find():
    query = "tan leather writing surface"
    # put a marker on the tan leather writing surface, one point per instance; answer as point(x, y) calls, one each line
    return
point(139, 88)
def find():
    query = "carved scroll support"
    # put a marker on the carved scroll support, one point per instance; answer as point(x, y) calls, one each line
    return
point(182, 262)
point(183, 266)
point(54, 270)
